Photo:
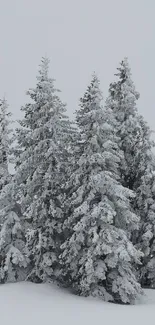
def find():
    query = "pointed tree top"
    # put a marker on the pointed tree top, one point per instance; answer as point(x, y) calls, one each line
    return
point(95, 83)
point(93, 91)
point(124, 79)
point(3, 101)
point(44, 68)
point(4, 109)
point(124, 71)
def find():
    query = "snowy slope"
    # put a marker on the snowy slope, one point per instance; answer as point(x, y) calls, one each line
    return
point(31, 304)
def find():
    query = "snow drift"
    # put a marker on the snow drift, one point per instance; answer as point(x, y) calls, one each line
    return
point(31, 304)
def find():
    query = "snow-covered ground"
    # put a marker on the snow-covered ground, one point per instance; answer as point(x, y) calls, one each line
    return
point(31, 304)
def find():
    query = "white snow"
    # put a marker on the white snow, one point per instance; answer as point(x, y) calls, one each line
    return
point(41, 304)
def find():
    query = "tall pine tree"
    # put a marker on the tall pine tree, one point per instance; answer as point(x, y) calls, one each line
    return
point(5, 142)
point(98, 257)
point(44, 141)
point(137, 166)
point(12, 259)
point(145, 240)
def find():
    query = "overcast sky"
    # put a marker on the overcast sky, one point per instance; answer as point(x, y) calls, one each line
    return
point(79, 36)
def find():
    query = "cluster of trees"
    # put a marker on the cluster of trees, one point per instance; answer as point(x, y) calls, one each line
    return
point(80, 207)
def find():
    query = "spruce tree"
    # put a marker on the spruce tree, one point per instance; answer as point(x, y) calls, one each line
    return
point(44, 140)
point(122, 99)
point(98, 257)
point(145, 204)
point(5, 142)
point(12, 259)
point(133, 131)
point(137, 166)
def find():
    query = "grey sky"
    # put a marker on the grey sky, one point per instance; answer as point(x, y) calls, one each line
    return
point(79, 36)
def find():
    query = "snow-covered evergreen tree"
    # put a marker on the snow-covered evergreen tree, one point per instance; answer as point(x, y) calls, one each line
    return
point(44, 140)
point(5, 142)
point(136, 169)
point(132, 130)
point(12, 259)
point(122, 99)
point(145, 204)
point(97, 257)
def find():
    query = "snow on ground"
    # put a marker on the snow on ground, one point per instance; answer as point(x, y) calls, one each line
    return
point(40, 304)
